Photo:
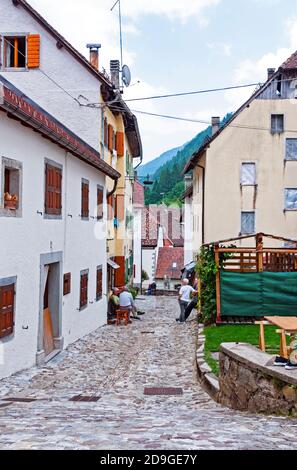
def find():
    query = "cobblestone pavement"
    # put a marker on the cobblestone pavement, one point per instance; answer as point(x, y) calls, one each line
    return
point(116, 363)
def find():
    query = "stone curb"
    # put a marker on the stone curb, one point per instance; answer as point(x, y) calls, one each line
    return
point(205, 374)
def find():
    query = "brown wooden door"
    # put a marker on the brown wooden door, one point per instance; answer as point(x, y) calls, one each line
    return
point(48, 333)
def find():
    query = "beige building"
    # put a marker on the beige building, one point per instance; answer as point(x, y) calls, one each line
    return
point(245, 176)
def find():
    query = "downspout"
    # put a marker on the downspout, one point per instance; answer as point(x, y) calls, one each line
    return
point(203, 203)
point(115, 185)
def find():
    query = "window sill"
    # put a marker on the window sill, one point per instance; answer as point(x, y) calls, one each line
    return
point(85, 219)
point(249, 185)
point(290, 210)
point(10, 213)
point(15, 69)
point(52, 217)
point(83, 308)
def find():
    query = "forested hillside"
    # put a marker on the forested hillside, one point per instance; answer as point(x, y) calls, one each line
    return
point(168, 180)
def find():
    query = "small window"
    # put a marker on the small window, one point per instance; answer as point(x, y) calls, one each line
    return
point(100, 193)
point(14, 52)
point(84, 282)
point(67, 284)
point(247, 223)
point(291, 199)
point(11, 188)
point(53, 190)
point(277, 123)
point(7, 310)
point(85, 199)
point(248, 174)
point(291, 149)
point(105, 133)
point(99, 284)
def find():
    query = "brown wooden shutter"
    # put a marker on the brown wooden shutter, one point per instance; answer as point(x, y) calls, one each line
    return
point(119, 276)
point(84, 280)
point(99, 203)
point(110, 137)
point(120, 207)
point(53, 190)
point(33, 50)
point(110, 201)
point(99, 289)
point(67, 284)
point(6, 310)
point(120, 144)
point(105, 133)
point(85, 200)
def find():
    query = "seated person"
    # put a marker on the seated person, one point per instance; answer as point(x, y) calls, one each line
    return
point(127, 302)
point(114, 303)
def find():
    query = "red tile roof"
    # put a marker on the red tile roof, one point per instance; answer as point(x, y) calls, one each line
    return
point(170, 262)
point(138, 194)
point(290, 63)
point(167, 217)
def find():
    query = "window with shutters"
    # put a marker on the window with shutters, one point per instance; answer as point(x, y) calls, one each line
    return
point(110, 207)
point(21, 51)
point(110, 138)
point(247, 223)
point(291, 149)
point(7, 301)
point(105, 133)
point(277, 123)
point(11, 194)
point(85, 211)
point(100, 200)
point(84, 282)
point(291, 199)
point(53, 190)
point(120, 207)
point(99, 283)
point(67, 284)
point(248, 174)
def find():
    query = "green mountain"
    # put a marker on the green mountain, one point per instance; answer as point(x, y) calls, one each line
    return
point(168, 179)
point(151, 167)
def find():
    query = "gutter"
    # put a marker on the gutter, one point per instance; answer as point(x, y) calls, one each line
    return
point(203, 203)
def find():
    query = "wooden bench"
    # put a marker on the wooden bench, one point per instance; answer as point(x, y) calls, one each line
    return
point(122, 315)
point(287, 327)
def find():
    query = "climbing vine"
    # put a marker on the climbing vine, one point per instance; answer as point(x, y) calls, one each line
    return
point(207, 269)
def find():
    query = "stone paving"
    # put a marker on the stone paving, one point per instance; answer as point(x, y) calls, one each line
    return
point(117, 363)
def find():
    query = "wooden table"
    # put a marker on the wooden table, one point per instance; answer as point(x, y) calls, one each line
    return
point(286, 325)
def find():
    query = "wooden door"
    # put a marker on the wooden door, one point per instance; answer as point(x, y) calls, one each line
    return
point(48, 333)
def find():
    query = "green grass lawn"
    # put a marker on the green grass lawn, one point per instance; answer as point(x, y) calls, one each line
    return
point(215, 335)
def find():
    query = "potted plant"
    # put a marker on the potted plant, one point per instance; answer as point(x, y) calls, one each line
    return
point(10, 201)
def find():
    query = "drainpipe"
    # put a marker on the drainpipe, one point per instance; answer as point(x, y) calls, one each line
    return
point(203, 203)
point(115, 185)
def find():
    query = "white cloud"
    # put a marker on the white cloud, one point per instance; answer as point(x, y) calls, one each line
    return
point(220, 48)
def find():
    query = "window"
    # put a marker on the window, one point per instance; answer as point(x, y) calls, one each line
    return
point(21, 51)
point(110, 137)
point(99, 283)
point(110, 207)
point(120, 144)
point(291, 149)
point(100, 192)
point(277, 123)
point(84, 281)
point(105, 133)
point(247, 223)
point(120, 207)
point(67, 284)
point(85, 199)
point(11, 184)
point(53, 190)
point(7, 310)
point(248, 174)
point(291, 199)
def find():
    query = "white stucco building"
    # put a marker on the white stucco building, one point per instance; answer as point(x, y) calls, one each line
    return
point(53, 234)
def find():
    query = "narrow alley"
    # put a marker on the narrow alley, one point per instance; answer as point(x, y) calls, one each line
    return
point(113, 366)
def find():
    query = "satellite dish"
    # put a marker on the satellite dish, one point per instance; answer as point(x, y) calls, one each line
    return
point(126, 75)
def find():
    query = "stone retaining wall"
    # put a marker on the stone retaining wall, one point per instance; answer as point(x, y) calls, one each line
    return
point(250, 382)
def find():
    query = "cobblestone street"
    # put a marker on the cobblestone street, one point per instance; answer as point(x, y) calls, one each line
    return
point(116, 364)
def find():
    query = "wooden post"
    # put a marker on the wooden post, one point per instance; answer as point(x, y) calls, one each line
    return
point(262, 344)
point(259, 246)
point(218, 284)
point(283, 344)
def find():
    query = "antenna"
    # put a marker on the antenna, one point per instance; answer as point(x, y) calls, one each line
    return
point(121, 33)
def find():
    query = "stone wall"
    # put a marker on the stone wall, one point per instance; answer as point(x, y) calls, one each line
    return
point(250, 382)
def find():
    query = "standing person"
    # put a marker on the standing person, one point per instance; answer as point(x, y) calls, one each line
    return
point(184, 299)
point(127, 303)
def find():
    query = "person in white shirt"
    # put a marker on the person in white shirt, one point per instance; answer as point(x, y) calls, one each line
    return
point(127, 302)
point(184, 299)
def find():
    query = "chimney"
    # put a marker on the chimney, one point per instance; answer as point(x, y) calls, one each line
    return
point(270, 73)
point(215, 122)
point(115, 73)
point(94, 54)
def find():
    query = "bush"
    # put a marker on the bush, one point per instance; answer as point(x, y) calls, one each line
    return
point(144, 276)
point(133, 291)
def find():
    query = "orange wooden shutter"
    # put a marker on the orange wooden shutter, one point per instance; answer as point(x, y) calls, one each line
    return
point(120, 207)
point(99, 283)
point(120, 144)
point(110, 137)
point(33, 48)
point(99, 203)
point(6, 310)
point(53, 190)
point(119, 275)
point(110, 207)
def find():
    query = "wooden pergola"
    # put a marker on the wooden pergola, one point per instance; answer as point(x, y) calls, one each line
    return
point(253, 260)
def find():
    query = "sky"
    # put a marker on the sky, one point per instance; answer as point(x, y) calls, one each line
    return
point(174, 46)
